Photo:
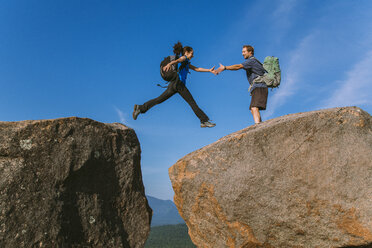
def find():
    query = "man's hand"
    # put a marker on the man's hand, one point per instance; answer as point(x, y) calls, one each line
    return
point(220, 69)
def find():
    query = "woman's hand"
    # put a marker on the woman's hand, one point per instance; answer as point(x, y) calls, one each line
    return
point(167, 67)
point(212, 70)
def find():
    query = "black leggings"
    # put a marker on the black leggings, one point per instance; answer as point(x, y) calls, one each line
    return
point(176, 86)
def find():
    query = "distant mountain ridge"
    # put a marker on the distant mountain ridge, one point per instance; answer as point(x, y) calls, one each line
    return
point(164, 212)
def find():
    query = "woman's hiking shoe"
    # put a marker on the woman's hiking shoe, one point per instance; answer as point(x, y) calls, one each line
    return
point(136, 111)
point(207, 124)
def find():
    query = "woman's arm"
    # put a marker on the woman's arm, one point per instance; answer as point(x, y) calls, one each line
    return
point(201, 69)
point(168, 66)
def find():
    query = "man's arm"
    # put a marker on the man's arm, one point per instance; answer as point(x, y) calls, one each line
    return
point(230, 68)
point(199, 69)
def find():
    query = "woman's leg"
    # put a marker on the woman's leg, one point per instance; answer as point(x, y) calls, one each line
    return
point(186, 95)
point(170, 91)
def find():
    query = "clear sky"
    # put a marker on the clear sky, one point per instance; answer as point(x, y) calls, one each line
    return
point(96, 59)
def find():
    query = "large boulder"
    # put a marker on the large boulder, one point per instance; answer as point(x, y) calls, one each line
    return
point(301, 180)
point(71, 182)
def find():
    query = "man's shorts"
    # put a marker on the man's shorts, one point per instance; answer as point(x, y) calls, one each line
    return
point(259, 98)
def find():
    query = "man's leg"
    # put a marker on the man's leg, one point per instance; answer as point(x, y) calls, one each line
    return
point(258, 102)
point(186, 95)
point(256, 115)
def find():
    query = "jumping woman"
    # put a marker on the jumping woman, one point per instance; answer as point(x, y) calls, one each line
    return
point(177, 83)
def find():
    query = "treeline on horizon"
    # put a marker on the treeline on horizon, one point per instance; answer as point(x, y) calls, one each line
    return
point(169, 236)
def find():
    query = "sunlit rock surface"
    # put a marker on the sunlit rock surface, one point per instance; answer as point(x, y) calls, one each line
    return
point(301, 180)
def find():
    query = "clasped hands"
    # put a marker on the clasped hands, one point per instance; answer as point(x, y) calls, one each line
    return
point(219, 70)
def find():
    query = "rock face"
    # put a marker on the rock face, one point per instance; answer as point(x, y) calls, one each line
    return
point(302, 180)
point(71, 182)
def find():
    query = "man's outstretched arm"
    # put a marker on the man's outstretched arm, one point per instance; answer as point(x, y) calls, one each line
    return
point(230, 68)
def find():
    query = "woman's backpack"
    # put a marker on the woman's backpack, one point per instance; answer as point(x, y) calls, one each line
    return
point(166, 75)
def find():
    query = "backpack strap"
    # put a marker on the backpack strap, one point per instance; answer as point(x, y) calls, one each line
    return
point(256, 60)
point(172, 58)
point(162, 86)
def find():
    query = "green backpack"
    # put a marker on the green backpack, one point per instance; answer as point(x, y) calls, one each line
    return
point(273, 76)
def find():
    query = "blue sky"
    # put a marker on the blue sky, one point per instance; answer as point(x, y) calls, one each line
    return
point(96, 59)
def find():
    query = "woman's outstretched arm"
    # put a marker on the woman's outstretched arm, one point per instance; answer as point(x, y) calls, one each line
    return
point(199, 69)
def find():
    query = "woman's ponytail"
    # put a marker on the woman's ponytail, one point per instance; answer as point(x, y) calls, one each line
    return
point(178, 49)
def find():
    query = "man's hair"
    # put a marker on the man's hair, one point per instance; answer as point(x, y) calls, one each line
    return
point(249, 48)
point(187, 49)
point(177, 48)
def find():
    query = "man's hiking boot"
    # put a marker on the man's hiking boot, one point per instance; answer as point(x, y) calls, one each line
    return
point(207, 124)
point(136, 111)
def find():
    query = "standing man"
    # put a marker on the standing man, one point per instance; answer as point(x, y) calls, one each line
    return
point(258, 90)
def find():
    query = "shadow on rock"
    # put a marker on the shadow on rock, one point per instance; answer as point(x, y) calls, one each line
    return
point(89, 196)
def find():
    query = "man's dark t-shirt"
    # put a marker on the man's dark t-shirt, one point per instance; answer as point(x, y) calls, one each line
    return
point(254, 69)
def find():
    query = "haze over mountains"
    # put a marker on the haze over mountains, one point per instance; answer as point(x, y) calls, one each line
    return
point(164, 212)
